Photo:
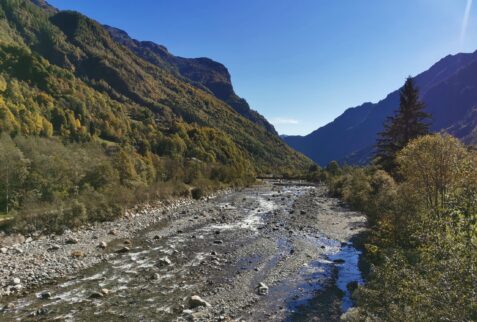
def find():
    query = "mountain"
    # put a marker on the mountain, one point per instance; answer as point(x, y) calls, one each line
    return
point(85, 82)
point(449, 90)
point(203, 73)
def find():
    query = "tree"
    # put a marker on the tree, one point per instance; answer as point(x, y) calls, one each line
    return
point(408, 123)
point(13, 172)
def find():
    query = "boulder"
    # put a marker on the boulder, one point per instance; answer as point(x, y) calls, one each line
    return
point(45, 295)
point(53, 248)
point(262, 289)
point(71, 241)
point(123, 250)
point(164, 261)
point(96, 295)
point(196, 301)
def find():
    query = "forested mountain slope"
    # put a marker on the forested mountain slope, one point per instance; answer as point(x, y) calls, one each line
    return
point(89, 126)
point(58, 47)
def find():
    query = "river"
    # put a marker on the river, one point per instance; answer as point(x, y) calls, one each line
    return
point(293, 240)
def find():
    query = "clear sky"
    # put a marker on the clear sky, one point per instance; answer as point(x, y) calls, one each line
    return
point(301, 63)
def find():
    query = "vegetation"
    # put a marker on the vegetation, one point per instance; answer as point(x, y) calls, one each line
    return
point(408, 123)
point(89, 128)
point(421, 252)
point(420, 197)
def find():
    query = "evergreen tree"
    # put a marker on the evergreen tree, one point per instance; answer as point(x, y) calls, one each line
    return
point(408, 123)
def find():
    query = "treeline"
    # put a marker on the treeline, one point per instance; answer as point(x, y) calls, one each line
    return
point(420, 196)
point(49, 185)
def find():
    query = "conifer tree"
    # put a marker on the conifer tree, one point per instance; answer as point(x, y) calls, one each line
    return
point(409, 122)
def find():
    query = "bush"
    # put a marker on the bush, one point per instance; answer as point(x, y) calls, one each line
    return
point(197, 193)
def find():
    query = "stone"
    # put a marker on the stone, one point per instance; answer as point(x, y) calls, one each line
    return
point(164, 261)
point(3, 250)
point(71, 241)
point(16, 281)
point(105, 291)
point(113, 232)
point(96, 295)
point(102, 245)
point(196, 301)
point(53, 248)
point(45, 295)
point(77, 254)
point(262, 289)
point(155, 277)
point(123, 250)
point(127, 242)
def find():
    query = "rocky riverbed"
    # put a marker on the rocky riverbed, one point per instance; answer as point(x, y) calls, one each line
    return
point(273, 252)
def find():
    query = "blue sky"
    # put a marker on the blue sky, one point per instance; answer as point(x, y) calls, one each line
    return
point(300, 63)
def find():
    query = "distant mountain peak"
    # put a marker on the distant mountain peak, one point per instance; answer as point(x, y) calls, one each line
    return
point(449, 89)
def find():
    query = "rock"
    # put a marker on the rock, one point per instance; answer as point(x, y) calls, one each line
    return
point(196, 301)
point(53, 248)
point(3, 250)
point(302, 212)
point(262, 289)
point(353, 314)
point(164, 261)
point(123, 250)
point(28, 240)
point(45, 295)
point(113, 232)
point(127, 242)
point(102, 245)
point(96, 295)
point(77, 254)
point(155, 277)
point(16, 281)
point(218, 242)
point(71, 241)
point(41, 311)
point(105, 291)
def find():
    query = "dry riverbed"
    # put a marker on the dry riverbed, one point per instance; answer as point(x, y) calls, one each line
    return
point(266, 253)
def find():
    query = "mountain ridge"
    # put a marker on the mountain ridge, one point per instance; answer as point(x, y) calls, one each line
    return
point(351, 136)
point(201, 72)
point(155, 110)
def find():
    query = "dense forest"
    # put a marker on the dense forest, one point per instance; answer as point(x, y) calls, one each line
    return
point(420, 197)
point(89, 128)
